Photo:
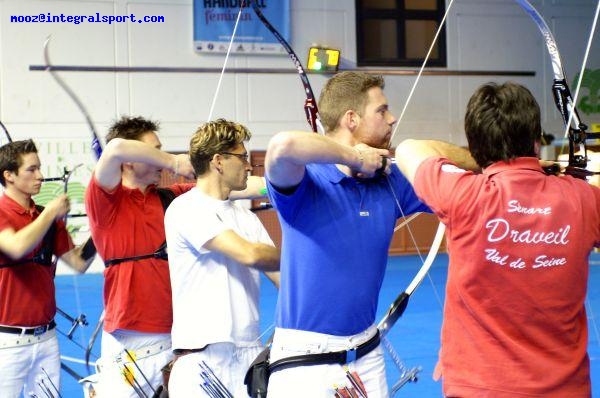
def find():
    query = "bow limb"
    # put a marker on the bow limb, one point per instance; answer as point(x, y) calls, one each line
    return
point(93, 337)
point(81, 319)
point(399, 305)
point(3, 142)
point(96, 146)
point(6, 133)
point(310, 105)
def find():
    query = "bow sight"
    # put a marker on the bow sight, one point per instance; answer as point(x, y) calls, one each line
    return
point(577, 131)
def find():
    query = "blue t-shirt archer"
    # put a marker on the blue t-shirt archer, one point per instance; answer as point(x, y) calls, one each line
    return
point(336, 234)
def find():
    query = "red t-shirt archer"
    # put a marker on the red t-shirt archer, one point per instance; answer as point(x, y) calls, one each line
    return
point(126, 222)
point(27, 291)
point(519, 243)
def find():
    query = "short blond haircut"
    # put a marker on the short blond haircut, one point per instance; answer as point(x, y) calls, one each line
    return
point(343, 92)
point(215, 137)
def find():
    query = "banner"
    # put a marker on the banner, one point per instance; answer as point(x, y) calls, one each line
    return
point(214, 21)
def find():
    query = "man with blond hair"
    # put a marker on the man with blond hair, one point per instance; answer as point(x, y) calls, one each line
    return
point(216, 250)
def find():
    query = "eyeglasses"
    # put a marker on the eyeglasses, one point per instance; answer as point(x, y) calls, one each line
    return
point(242, 156)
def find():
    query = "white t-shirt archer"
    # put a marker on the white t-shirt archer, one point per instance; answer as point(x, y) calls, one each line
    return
point(215, 299)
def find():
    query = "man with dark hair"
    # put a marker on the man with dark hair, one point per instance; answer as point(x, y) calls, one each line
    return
point(337, 214)
point(126, 212)
point(126, 221)
point(519, 243)
point(216, 250)
point(29, 236)
point(502, 123)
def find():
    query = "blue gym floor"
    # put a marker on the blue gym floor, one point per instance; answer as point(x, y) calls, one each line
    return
point(415, 336)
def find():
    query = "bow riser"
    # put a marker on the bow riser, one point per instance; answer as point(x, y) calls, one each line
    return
point(576, 131)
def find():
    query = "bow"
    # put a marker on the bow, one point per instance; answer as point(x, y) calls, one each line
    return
point(310, 104)
point(399, 305)
point(575, 130)
point(96, 149)
point(577, 135)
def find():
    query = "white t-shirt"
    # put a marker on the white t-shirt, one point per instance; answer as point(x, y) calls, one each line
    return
point(215, 298)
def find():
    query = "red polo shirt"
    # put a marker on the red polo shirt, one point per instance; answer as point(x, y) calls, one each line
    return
point(27, 293)
point(126, 222)
point(519, 243)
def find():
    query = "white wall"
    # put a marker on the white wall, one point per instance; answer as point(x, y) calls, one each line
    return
point(481, 35)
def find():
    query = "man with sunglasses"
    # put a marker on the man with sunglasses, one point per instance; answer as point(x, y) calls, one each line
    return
point(216, 250)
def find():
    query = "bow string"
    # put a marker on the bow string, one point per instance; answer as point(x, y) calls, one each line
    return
point(397, 308)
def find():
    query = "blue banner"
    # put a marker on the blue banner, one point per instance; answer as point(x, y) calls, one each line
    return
point(214, 22)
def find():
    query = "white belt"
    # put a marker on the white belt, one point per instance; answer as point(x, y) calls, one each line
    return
point(147, 351)
point(10, 340)
point(136, 355)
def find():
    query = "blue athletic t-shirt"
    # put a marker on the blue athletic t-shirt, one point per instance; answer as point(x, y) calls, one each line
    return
point(336, 234)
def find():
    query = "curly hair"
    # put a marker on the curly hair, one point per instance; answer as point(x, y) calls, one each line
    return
point(214, 137)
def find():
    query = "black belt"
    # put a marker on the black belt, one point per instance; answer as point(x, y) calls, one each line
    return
point(160, 253)
point(34, 331)
point(340, 357)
